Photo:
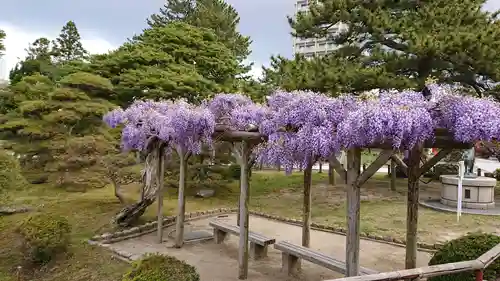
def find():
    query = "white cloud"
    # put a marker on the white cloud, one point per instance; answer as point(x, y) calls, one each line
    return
point(18, 39)
point(256, 71)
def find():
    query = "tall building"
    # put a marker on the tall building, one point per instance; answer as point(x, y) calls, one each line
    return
point(310, 47)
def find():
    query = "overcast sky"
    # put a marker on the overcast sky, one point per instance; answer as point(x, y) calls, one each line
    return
point(105, 24)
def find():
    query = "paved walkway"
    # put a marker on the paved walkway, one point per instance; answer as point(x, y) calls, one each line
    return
point(219, 262)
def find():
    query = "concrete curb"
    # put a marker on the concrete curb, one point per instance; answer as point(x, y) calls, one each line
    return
point(109, 238)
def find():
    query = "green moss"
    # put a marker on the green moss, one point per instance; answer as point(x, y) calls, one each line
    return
point(156, 267)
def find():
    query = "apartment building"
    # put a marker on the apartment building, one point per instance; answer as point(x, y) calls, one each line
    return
point(310, 47)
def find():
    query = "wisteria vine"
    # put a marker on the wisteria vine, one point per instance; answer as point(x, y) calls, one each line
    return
point(302, 126)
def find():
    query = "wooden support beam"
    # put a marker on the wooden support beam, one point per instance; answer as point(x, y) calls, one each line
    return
point(490, 256)
point(434, 160)
point(306, 212)
point(422, 272)
point(400, 163)
point(179, 223)
point(393, 175)
point(244, 157)
point(381, 160)
point(353, 207)
point(339, 168)
point(160, 179)
point(412, 206)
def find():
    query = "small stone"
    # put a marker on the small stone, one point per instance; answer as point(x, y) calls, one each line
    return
point(205, 193)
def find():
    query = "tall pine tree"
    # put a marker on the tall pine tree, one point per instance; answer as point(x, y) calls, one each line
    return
point(452, 40)
point(217, 15)
point(2, 37)
point(68, 47)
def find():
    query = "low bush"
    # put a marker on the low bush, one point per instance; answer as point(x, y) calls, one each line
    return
point(10, 172)
point(154, 267)
point(44, 237)
point(467, 248)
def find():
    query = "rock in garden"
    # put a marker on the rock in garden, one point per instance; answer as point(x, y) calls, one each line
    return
point(205, 193)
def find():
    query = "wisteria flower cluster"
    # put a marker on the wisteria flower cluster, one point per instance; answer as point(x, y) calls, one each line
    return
point(177, 123)
point(301, 127)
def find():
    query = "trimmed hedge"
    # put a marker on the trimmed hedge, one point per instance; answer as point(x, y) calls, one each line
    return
point(154, 267)
point(44, 236)
point(467, 248)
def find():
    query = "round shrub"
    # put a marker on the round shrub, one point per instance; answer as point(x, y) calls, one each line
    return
point(155, 267)
point(10, 172)
point(467, 248)
point(44, 236)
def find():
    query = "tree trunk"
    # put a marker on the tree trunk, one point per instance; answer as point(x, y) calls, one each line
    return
point(117, 189)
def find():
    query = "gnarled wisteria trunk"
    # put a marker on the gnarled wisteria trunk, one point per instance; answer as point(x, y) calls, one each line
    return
point(149, 188)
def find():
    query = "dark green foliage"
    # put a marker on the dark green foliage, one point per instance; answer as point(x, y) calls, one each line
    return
point(155, 267)
point(234, 171)
point(10, 172)
point(216, 15)
point(467, 248)
point(2, 37)
point(67, 47)
point(58, 128)
point(170, 62)
point(44, 237)
point(410, 41)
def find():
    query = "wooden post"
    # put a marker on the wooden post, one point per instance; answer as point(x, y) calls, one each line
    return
point(244, 217)
point(412, 206)
point(331, 171)
point(320, 163)
point(393, 175)
point(353, 217)
point(179, 223)
point(306, 212)
point(160, 178)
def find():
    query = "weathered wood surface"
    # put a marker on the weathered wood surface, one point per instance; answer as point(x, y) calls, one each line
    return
point(434, 160)
point(179, 223)
point(412, 206)
point(421, 272)
point(353, 208)
point(381, 160)
point(315, 257)
point(306, 207)
point(393, 175)
point(338, 168)
point(252, 236)
point(160, 178)
point(489, 257)
point(243, 159)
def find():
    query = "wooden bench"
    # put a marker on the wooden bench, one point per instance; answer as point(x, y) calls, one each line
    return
point(258, 242)
point(291, 254)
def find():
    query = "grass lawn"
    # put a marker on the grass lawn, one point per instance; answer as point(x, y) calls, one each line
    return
point(382, 211)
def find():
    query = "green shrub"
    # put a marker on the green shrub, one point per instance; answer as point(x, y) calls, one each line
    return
point(155, 267)
point(10, 172)
point(44, 236)
point(467, 248)
point(234, 171)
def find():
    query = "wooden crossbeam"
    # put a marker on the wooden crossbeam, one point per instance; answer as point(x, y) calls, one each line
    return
point(339, 168)
point(434, 160)
point(382, 158)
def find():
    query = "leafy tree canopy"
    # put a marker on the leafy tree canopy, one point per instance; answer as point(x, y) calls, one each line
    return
point(452, 40)
point(58, 127)
point(216, 15)
point(54, 59)
point(174, 61)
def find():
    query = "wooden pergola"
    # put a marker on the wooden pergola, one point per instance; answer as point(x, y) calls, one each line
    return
point(244, 141)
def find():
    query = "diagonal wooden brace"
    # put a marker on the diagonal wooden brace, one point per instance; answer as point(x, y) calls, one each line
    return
point(382, 158)
point(338, 167)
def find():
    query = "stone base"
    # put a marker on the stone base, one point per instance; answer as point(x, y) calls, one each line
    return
point(477, 193)
point(469, 205)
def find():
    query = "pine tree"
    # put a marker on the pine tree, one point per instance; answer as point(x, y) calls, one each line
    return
point(38, 60)
point(452, 40)
point(58, 128)
point(68, 47)
point(217, 15)
point(2, 37)
point(40, 49)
